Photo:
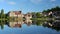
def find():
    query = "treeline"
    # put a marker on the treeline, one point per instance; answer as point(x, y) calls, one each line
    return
point(37, 14)
point(57, 8)
point(40, 14)
point(3, 16)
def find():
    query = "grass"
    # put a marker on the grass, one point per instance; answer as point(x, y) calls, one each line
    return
point(43, 18)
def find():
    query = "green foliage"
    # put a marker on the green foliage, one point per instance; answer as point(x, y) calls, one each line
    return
point(2, 15)
point(38, 15)
point(57, 8)
point(2, 12)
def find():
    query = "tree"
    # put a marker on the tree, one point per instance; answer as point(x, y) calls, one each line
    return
point(2, 11)
point(57, 8)
point(44, 11)
point(38, 14)
point(2, 15)
point(33, 14)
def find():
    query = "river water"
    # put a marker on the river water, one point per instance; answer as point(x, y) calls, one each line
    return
point(27, 27)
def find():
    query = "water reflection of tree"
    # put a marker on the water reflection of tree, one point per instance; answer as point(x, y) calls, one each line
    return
point(52, 27)
point(45, 24)
point(38, 22)
point(2, 24)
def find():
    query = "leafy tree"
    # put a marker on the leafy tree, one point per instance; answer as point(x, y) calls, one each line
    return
point(38, 15)
point(2, 13)
point(33, 14)
point(57, 8)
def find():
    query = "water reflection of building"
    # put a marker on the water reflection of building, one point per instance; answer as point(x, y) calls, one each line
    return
point(55, 25)
point(20, 23)
point(28, 22)
point(15, 24)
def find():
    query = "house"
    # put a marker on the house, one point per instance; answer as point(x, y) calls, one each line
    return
point(16, 15)
point(50, 13)
point(28, 16)
point(47, 13)
point(56, 14)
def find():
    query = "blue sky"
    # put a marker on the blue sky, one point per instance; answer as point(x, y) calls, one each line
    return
point(28, 5)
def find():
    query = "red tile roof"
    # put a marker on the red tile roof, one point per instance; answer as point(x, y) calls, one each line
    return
point(17, 12)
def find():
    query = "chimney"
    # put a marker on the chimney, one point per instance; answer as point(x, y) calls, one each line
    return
point(20, 11)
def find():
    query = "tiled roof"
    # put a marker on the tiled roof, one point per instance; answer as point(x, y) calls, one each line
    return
point(17, 12)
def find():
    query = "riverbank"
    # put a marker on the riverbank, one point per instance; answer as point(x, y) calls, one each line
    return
point(44, 19)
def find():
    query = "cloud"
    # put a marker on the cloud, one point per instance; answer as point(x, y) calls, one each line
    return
point(36, 1)
point(53, 0)
point(12, 3)
point(8, 2)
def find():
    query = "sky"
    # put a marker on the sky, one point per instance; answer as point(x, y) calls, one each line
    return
point(28, 5)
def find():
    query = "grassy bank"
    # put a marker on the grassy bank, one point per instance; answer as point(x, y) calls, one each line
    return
point(38, 18)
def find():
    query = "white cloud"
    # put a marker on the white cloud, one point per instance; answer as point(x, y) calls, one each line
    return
point(36, 1)
point(8, 2)
point(12, 3)
point(53, 0)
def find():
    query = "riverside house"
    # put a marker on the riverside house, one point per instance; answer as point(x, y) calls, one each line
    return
point(56, 14)
point(16, 15)
point(28, 16)
point(47, 14)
